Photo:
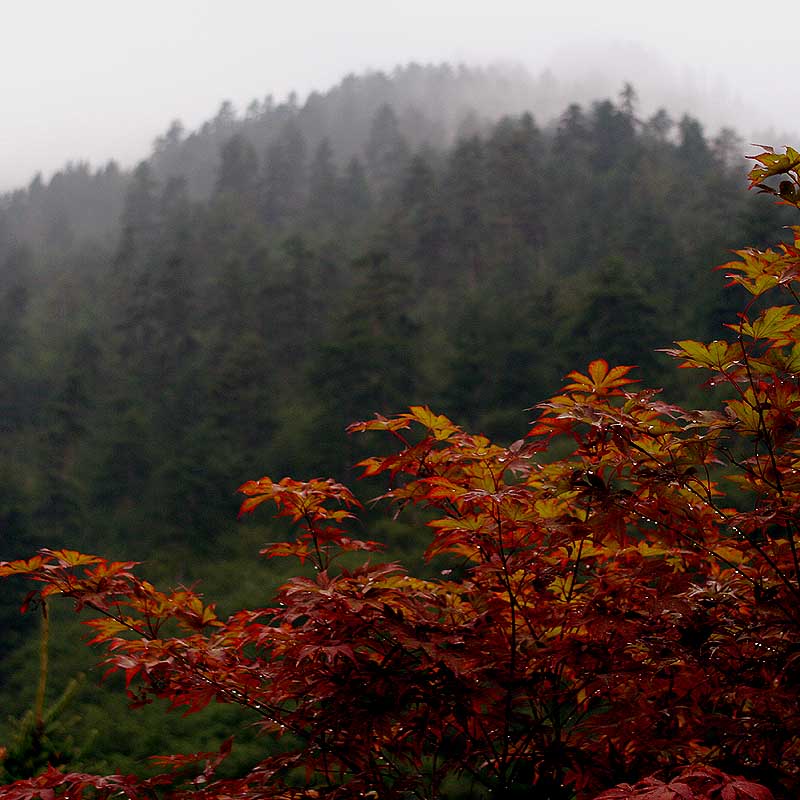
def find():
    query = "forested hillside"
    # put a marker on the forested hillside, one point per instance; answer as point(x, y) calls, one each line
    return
point(225, 309)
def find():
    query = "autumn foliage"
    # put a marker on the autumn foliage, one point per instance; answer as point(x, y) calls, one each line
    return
point(619, 622)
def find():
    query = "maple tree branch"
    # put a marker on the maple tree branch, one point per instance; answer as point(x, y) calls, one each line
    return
point(768, 441)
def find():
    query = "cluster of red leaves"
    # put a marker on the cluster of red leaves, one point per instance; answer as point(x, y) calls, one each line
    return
point(692, 783)
point(629, 609)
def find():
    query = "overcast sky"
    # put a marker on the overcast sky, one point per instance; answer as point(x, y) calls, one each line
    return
point(99, 79)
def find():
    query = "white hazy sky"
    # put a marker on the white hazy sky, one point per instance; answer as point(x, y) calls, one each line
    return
point(96, 79)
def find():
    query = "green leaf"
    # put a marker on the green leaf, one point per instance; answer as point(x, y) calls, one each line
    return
point(773, 323)
point(718, 355)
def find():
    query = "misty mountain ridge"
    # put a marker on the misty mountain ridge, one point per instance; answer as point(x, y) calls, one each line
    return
point(434, 105)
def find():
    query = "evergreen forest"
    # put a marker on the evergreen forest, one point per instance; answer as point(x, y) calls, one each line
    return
point(227, 307)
